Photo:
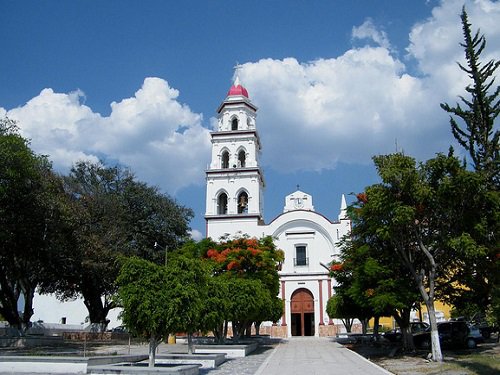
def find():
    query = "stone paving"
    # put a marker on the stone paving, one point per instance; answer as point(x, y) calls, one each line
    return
point(244, 366)
point(311, 356)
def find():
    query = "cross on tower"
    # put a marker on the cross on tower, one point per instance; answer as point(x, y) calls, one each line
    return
point(236, 68)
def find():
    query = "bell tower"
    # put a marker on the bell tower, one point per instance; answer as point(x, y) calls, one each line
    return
point(234, 179)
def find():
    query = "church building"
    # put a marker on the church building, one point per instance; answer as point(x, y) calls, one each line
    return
point(234, 206)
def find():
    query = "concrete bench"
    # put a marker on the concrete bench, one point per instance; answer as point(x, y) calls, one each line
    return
point(205, 360)
point(231, 351)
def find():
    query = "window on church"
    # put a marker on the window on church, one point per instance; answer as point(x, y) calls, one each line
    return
point(300, 256)
point(225, 160)
point(243, 203)
point(222, 204)
point(242, 159)
point(234, 124)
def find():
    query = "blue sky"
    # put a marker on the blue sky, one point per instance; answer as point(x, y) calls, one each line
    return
point(138, 82)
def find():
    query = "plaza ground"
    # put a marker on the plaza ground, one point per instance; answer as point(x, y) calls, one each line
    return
point(308, 355)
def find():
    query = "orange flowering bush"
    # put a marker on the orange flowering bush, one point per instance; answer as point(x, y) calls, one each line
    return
point(361, 197)
point(337, 267)
point(247, 257)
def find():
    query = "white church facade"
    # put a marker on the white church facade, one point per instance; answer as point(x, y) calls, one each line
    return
point(234, 206)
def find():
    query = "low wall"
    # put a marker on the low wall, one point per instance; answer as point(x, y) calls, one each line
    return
point(328, 330)
point(30, 341)
point(91, 365)
point(94, 336)
point(44, 365)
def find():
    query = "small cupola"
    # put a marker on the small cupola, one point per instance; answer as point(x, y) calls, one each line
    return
point(237, 89)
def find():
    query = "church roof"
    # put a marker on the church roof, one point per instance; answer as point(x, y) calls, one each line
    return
point(237, 90)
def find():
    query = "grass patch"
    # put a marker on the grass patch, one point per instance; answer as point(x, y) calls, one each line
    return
point(483, 363)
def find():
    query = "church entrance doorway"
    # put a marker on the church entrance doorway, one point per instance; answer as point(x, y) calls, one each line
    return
point(302, 313)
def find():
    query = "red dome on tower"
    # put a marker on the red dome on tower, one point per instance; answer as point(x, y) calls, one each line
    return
point(237, 89)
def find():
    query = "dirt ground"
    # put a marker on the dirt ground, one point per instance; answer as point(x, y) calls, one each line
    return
point(484, 360)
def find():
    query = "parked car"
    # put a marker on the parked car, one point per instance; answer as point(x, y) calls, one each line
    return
point(479, 321)
point(353, 338)
point(395, 335)
point(119, 329)
point(451, 334)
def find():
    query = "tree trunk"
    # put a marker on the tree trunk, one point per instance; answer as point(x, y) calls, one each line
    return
point(248, 329)
point(257, 328)
point(403, 320)
point(10, 294)
point(190, 343)
point(97, 311)
point(28, 294)
point(218, 332)
point(426, 291)
point(152, 351)
point(236, 330)
point(226, 324)
point(364, 325)
point(436, 345)
point(348, 324)
point(376, 321)
point(8, 304)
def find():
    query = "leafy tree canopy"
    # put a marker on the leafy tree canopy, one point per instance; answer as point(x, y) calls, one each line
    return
point(111, 214)
point(250, 267)
point(30, 222)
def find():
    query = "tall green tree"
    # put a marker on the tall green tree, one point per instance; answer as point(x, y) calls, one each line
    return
point(30, 223)
point(188, 283)
point(217, 307)
point(376, 280)
point(111, 214)
point(427, 212)
point(477, 134)
point(342, 305)
point(159, 300)
point(145, 299)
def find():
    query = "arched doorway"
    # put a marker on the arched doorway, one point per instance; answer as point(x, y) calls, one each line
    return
point(302, 313)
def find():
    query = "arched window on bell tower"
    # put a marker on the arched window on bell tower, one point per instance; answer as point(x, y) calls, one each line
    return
point(243, 203)
point(242, 155)
point(222, 204)
point(234, 123)
point(225, 159)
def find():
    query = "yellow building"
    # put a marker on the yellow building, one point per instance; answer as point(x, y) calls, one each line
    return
point(442, 313)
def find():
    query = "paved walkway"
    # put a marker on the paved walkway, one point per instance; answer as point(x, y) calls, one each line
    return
point(316, 356)
point(297, 355)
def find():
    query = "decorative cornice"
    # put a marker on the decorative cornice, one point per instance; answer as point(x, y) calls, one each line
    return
point(237, 170)
point(233, 132)
point(239, 102)
point(232, 216)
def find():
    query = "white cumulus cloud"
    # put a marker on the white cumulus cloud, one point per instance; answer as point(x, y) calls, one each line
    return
point(312, 114)
point(160, 139)
point(369, 31)
point(366, 102)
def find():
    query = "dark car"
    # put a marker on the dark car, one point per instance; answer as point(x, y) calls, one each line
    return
point(479, 321)
point(395, 335)
point(119, 329)
point(451, 334)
